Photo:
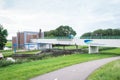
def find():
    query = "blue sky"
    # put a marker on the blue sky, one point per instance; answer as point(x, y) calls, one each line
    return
point(82, 15)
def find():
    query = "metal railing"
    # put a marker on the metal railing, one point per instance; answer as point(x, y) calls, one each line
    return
point(64, 37)
point(100, 37)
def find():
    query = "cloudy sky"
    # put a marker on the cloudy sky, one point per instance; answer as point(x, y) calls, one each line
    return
point(82, 15)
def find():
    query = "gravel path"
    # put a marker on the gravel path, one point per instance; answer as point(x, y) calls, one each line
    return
point(76, 72)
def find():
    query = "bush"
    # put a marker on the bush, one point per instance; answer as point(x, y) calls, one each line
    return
point(4, 62)
point(20, 61)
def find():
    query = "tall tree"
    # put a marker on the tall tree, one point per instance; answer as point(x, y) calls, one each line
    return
point(61, 31)
point(116, 32)
point(3, 37)
point(51, 33)
point(109, 32)
point(65, 31)
point(98, 32)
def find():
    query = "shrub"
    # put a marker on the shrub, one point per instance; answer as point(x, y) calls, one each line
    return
point(3, 63)
point(20, 61)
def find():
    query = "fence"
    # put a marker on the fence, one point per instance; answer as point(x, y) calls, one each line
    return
point(100, 37)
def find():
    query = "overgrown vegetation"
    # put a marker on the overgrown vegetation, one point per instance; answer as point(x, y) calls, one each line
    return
point(110, 71)
point(4, 63)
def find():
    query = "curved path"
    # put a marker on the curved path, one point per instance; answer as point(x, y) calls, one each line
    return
point(76, 72)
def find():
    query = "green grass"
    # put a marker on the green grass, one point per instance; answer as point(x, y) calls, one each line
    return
point(110, 71)
point(112, 51)
point(7, 53)
point(9, 44)
point(70, 47)
point(28, 70)
point(28, 52)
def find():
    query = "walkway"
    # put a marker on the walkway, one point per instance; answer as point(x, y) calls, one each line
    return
point(75, 72)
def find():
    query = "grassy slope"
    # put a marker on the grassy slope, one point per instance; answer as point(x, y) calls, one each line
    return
point(112, 51)
point(110, 71)
point(28, 70)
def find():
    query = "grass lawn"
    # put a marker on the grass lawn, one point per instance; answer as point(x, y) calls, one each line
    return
point(28, 70)
point(110, 71)
point(112, 51)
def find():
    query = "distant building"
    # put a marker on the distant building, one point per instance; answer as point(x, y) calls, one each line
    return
point(23, 40)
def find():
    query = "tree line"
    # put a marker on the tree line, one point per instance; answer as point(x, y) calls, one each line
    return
point(102, 32)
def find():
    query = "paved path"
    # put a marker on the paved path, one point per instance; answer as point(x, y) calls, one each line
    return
point(75, 72)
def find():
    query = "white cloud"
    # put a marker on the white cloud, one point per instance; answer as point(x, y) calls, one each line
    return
point(115, 1)
point(1, 4)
